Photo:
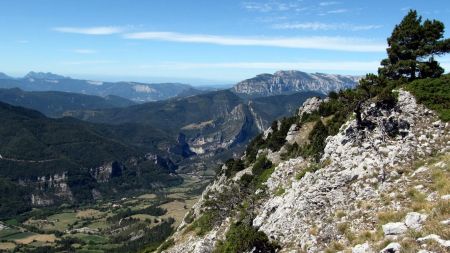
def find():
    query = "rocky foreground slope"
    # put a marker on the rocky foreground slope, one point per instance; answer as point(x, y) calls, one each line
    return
point(381, 185)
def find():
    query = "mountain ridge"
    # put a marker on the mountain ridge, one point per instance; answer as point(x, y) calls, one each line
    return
point(289, 81)
point(136, 91)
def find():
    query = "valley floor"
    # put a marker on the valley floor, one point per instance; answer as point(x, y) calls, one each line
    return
point(109, 226)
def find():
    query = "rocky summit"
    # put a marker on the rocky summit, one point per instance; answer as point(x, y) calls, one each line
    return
point(379, 186)
point(286, 82)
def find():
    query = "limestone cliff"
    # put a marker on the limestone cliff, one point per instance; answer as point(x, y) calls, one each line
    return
point(285, 82)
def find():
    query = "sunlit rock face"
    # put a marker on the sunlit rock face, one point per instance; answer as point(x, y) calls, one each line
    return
point(286, 82)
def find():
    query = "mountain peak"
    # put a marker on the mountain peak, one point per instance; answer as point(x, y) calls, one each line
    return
point(4, 76)
point(291, 81)
point(43, 75)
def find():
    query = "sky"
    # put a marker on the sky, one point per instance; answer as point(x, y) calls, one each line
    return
point(200, 41)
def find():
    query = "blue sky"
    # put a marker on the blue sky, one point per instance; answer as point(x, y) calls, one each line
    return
point(200, 41)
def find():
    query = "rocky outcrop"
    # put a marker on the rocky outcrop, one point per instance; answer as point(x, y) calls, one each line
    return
point(310, 206)
point(50, 189)
point(228, 129)
point(355, 158)
point(309, 106)
point(104, 173)
point(285, 82)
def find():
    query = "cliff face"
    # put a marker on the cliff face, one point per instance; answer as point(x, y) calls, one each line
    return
point(50, 189)
point(285, 82)
point(382, 178)
point(97, 183)
point(222, 132)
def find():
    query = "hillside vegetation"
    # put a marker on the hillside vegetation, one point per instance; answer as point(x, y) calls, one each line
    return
point(33, 148)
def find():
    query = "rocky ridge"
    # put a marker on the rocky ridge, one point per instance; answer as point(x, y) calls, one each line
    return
point(285, 82)
point(367, 190)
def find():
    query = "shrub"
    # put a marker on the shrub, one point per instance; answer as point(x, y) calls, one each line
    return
point(204, 223)
point(243, 237)
point(234, 166)
point(261, 165)
point(434, 93)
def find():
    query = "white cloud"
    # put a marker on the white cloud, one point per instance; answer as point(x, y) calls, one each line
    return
point(326, 43)
point(262, 7)
point(84, 51)
point(337, 11)
point(328, 3)
point(94, 62)
point(270, 6)
point(23, 41)
point(325, 26)
point(356, 66)
point(97, 30)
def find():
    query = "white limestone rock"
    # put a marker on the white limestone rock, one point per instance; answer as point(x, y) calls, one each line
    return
point(362, 248)
point(292, 133)
point(415, 220)
point(438, 239)
point(445, 197)
point(309, 106)
point(394, 228)
point(445, 222)
point(419, 171)
point(393, 247)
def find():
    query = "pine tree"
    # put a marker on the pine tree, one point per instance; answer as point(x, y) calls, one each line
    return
point(412, 47)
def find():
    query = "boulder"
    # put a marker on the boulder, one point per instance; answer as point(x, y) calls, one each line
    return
point(438, 239)
point(362, 248)
point(445, 197)
point(394, 228)
point(419, 170)
point(445, 222)
point(393, 247)
point(415, 220)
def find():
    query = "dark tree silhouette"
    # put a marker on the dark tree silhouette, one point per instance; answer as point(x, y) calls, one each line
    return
point(412, 47)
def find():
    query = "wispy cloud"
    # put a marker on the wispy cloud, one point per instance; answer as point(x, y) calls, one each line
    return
point(96, 30)
point(337, 11)
point(94, 62)
point(23, 41)
point(84, 51)
point(326, 43)
point(328, 3)
point(361, 66)
point(325, 26)
point(270, 6)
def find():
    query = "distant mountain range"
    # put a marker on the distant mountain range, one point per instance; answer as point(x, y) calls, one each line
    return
point(135, 91)
point(56, 103)
point(288, 82)
point(279, 83)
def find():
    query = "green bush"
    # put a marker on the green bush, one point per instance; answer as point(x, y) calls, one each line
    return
point(204, 223)
point(243, 237)
point(252, 148)
point(433, 93)
point(261, 165)
point(234, 166)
